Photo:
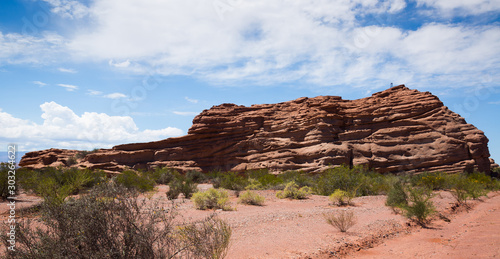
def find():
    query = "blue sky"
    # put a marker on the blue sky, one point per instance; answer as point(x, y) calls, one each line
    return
point(96, 73)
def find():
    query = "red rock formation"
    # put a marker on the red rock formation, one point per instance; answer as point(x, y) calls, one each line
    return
point(394, 130)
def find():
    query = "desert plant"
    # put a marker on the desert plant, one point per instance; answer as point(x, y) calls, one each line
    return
point(419, 207)
point(230, 180)
point(111, 222)
point(84, 153)
point(211, 199)
point(135, 180)
point(196, 176)
point(5, 178)
point(464, 188)
point(344, 178)
point(251, 198)
point(208, 238)
point(397, 196)
point(300, 178)
point(163, 175)
point(340, 198)
point(292, 191)
point(181, 185)
point(342, 220)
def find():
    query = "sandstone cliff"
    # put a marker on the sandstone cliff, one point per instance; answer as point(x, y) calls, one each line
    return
point(394, 130)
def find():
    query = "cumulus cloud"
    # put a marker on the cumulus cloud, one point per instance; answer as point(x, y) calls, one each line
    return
point(94, 92)
point(469, 7)
point(63, 128)
point(68, 8)
point(70, 88)
point(317, 42)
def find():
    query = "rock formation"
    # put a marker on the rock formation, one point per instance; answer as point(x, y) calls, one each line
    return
point(392, 131)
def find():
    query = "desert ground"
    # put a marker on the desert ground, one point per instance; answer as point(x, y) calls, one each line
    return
point(284, 228)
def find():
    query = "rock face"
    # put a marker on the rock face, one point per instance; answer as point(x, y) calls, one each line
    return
point(394, 130)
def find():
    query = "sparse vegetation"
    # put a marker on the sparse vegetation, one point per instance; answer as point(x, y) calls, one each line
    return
point(110, 222)
point(211, 199)
point(340, 198)
point(419, 205)
point(135, 180)
point(251, 198)
point(4, 182)
point(292, 191)
point(181, 185)
point(397, 196)
point(342, 220)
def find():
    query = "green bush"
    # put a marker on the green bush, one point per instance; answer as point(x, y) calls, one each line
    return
point(397, 196)
point(263, 180)
point(163, 175)
point(342, 220)
point(55, 184)
point(464, 188)
point(419, 207)
point(433, 181)
point(135, 180)
point(196, 176)
point(251, 198)
point(208, 238)
point(211, 199)
point(181, 185)
point(300, 178)
point(341, 198)
point(112, 222)
point(231, 181)
point(346, 179)
point(292, 191)
point(5, 189)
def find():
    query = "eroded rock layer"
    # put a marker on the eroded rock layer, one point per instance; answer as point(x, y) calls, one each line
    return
point(394, 130)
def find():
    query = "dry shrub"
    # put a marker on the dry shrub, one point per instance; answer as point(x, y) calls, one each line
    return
point(342, 220)
point(251, 198)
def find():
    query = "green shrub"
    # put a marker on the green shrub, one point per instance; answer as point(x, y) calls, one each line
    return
point(181, 185)
point(344, 178)
point(263, 180)
point(5, 176)
point(397, 196)
point(231, 181)
point(111, 222)
point(292, 191)
point(54, 184)
point(341, 198)
point(300, 178)
point(342, 220)
point(419, 205)
point(135, 180)
point(464, 188)
point(433, 181)
point(208, 238)
point(251, 198)
point(163, 175)
point(196, 176)
point(211, 199)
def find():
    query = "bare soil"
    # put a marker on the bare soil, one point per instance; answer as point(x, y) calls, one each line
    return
point(285, 228)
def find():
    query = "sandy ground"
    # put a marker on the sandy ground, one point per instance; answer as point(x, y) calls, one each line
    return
point(285, 228)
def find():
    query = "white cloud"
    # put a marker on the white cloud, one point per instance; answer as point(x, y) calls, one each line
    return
point(191, 100)
point(115, 96)
point(94, 92)
point(41, 84)
point(67, 70)
point(497, 102)
point(62, 128)
point(69, 87)
point(123, 64)
point(185, 113)
point(68, 8)
point(316, 42)
point(463, 7)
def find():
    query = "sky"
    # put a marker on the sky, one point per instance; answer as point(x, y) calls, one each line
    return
point(97, 73)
